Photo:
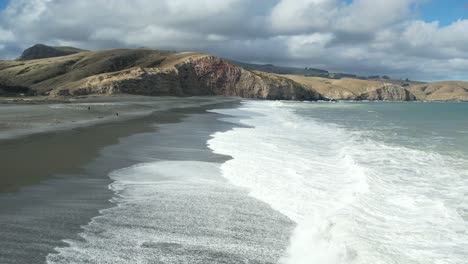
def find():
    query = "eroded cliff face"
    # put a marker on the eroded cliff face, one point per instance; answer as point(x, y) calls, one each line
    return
point(388, 92)
point(194, 75)
point(153, 72)
point(355, 89)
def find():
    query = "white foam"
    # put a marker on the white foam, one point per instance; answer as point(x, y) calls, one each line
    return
point(355, 200)
point(174, 212)
point(119, 234)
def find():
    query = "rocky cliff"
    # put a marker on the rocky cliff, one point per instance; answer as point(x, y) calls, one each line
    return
point(193, 75)
point(64, 71)
point(388, 92)
point(149, 72)
point(355, 89)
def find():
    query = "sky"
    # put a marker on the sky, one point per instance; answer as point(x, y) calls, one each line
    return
point(417, 39)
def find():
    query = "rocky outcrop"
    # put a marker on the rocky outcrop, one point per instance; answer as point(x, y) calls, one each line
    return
point(388, 92)
point(216, 76)
point(355, 89)
point(197, 75)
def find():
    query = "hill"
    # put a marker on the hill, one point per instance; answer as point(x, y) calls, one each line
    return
point(40, 51)
point(355, 89)
point(146, 72)
point(309, 72)
point(67, 71)
point(270, 68)
point(441, 91)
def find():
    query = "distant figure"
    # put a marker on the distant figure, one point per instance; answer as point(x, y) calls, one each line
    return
point(89, 107)
point(117, 114)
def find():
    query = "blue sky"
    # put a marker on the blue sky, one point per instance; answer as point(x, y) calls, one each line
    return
point(3, 3)
point(445, 11)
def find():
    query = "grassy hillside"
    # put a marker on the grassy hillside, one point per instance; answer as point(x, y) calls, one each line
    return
point(154, 72)
point(43, 75)
point(270, 68)
point(352, 89)
point(40, 51)
point(441, 91)
point(146, 72)
point(339, 89)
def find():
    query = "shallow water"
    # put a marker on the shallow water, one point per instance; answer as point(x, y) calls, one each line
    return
point(365, 182)
point(174, 206)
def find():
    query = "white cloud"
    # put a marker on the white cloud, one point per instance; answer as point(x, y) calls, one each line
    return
point(364, 36)
point(302, 16)
point(6, 36)
point(372, 15)
point(308, 44)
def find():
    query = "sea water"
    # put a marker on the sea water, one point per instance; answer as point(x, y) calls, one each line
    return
point(365, 183)
point(174, 206)
point(296, 182)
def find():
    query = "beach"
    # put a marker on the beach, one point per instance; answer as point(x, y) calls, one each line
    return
point(39, 140)
point(210, 180)
point(65, 193)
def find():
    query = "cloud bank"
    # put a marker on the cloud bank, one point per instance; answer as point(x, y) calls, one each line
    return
point(362, 36)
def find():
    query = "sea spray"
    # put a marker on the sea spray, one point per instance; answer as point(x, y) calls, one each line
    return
point(313, 241)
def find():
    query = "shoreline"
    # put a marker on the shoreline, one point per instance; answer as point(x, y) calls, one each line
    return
point(56, 212)
point(65, 149)
point(19, 120)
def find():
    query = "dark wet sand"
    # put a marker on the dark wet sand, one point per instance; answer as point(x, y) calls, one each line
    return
point(19, 120)
point(29, 159)
point(73, 187)
point(53, 183)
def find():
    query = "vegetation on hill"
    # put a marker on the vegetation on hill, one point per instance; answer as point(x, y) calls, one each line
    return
point(355, 89)
point(147, 72)
point(441, 91)
point(270, 68)
point(40, 51)
point(67, 71)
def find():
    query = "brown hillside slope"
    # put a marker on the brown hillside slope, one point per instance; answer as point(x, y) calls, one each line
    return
point(40, 51)
point(355, 89)
point(147, 72)
point(153, 72)
point(441, 91)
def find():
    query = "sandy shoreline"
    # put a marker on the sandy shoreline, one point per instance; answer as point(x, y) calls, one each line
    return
point(23, 119)
point(37, 141)
point(44, 214)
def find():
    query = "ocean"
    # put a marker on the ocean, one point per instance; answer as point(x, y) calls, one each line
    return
point(365, 182)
